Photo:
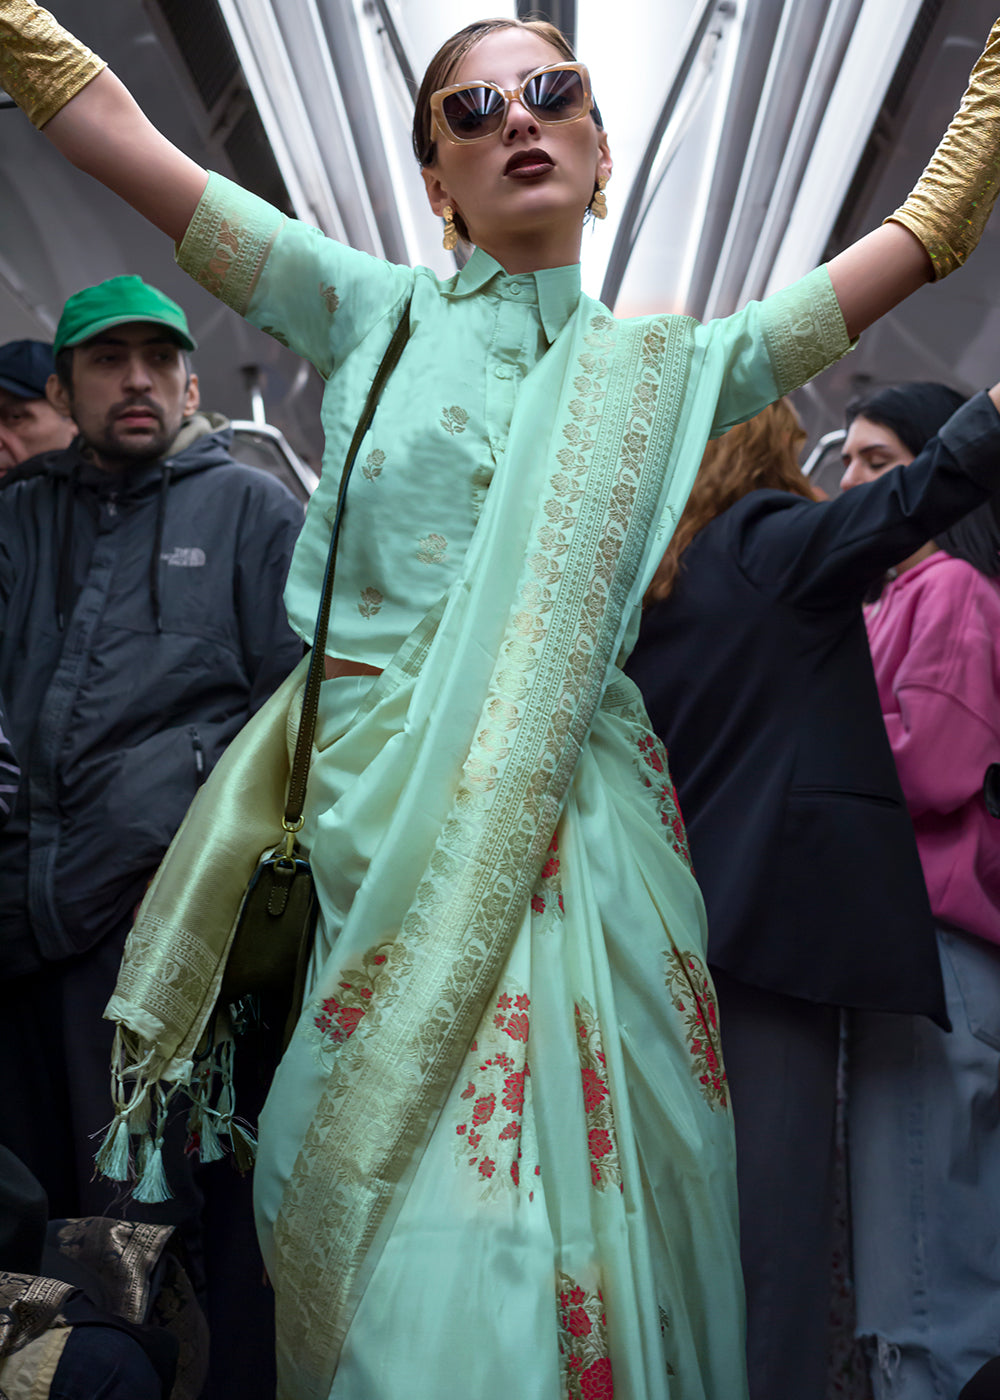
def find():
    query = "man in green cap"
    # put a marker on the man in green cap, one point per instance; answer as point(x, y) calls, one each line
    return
point(121, 354)
point(141, 624)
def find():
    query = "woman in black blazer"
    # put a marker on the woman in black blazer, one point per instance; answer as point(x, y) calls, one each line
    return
point(754, 665)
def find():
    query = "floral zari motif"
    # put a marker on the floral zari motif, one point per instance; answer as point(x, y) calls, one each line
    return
point(454, 419)
point(583, 1342)
point(548, 892)
point(489, 1136)
point(656, 775)
point(602, 1143)
point(432, 549)
point(691, 990)
point(373, 465)
point(218, 263)
point(371, 602)
point(336, 1016)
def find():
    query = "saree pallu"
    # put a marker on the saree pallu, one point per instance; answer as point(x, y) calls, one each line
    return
point(430, 825)
point(569, 1228)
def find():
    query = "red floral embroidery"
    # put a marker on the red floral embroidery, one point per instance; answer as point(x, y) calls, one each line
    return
point(594, 1087)
point(599, 1142)
point(583, 1342)
point(596, 1382)
point(496, 1087)
point(483, 1110)
point(338, 1016)
point(653, 756)
point(517, 1026)
point(578, 1322)
point(694, 997)
point(605, 1168)
point(548, 892)
point(513, 1091)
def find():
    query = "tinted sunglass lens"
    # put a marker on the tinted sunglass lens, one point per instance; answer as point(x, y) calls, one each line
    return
point(556, 96)
point(473, 112)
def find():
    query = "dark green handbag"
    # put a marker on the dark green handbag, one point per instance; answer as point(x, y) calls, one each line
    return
point(269, 952)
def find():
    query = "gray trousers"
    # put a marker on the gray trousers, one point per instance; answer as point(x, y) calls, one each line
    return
point(781, 1059)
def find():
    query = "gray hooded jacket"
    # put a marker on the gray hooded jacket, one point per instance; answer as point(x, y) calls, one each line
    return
point(141, 624)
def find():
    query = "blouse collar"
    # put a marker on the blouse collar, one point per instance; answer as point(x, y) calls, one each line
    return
point(556, 289)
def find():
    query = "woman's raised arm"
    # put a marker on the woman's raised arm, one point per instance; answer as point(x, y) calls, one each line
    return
point(92, 119)
point(105, 133)
point(942, 220)
point(876, 273)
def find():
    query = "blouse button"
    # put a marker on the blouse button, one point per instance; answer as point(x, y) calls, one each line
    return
point(503, 371)
point(515, 289)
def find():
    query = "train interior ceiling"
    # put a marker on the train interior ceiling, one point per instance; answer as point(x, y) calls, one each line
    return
point(752, 138)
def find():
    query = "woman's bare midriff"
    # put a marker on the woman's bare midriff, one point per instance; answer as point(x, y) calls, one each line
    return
point(339, 666)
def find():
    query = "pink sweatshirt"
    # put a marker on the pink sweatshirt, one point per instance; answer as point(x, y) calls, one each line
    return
point(935, 642)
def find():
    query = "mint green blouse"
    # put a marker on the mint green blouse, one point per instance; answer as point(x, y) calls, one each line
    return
point(440, 433)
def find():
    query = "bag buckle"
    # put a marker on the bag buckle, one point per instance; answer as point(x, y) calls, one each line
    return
point(290, 829)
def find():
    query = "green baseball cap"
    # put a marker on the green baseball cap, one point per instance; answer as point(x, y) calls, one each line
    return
point(116, 302)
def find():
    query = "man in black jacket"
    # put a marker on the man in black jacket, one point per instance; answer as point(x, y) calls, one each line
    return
point(141, 624)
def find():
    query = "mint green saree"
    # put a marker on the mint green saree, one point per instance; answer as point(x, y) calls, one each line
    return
point(497, 1158)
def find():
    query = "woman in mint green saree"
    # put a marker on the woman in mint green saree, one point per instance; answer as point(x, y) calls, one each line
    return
point(497, 1157)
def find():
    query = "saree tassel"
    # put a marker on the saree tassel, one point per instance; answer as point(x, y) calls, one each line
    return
point(241, 1137)
point(203, 1135)
point(210, 1148)
point(224, 1104)
point(131, 1118)
point(244, 1147)
point(152, 1186)
point(112, 1158)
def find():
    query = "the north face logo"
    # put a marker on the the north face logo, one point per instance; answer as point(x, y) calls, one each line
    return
point(185, 558)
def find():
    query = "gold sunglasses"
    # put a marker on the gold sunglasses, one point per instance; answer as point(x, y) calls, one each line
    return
point(558, 93)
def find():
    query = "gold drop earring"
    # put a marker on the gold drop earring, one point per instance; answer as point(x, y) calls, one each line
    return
point(599, 204)
point(450, 240)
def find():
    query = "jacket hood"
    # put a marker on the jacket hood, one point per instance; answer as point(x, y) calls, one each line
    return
point(204, 440)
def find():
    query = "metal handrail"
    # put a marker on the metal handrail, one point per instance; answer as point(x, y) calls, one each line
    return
point(398, 47)
point(630, 223)
point(827, 440)
point(302, 471)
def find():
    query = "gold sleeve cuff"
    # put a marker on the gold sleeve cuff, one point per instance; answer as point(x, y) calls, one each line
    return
point(951, 202)
point(41, 64)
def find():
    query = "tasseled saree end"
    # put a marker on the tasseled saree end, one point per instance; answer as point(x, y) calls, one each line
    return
point(169, 1039)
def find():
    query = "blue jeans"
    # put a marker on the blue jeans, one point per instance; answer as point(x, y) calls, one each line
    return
point(924, 1125)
